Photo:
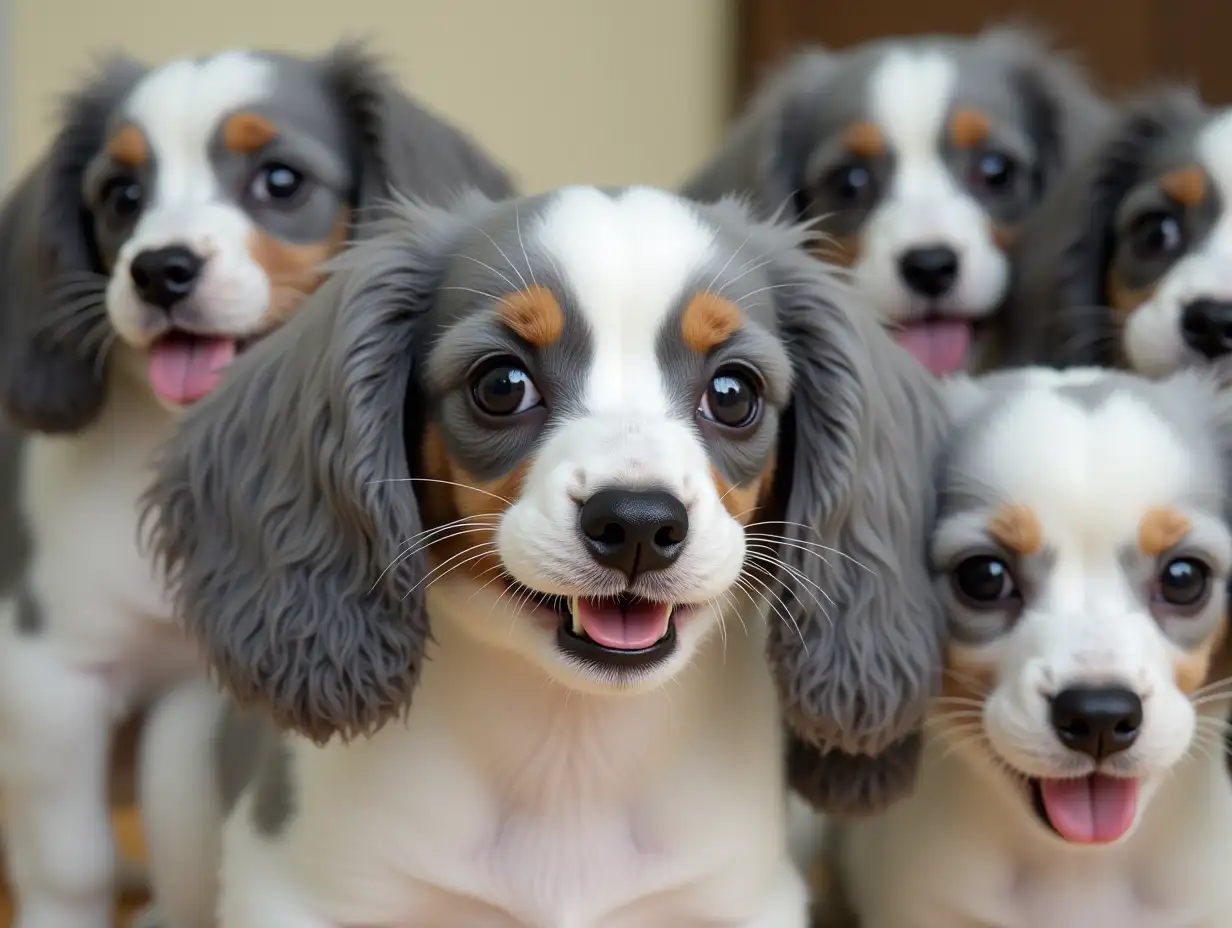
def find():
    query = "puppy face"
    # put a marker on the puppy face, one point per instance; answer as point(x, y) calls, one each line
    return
point(1086, 590)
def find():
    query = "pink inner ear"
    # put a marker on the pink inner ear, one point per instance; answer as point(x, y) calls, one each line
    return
point(184, 368)
point(941, 346)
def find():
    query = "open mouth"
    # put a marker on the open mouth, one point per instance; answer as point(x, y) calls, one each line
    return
point(941, 344)
point(622, 632)
point(185, 366)
point(1095, 809)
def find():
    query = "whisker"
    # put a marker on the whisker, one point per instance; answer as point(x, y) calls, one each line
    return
point(451, 483)
point(517, 223)
point(525, 286)
point(484, 264)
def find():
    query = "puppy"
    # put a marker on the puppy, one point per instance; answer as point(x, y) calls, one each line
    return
point(1074, 770)
point(919, 157)
point(1128, 264)
point(553, 435)
point(178, 216)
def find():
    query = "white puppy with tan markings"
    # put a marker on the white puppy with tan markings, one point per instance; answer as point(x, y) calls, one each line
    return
point(1074, 771)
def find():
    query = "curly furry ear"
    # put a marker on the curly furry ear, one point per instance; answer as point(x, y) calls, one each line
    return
point(405, 149)
point(281, 505)
point(860, 446)
point(52, 315)
point(1057, 311)
point(764, 157)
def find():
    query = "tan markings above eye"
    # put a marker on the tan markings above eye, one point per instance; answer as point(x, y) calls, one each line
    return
point(1186, 186)
point(248, 132)
point(969, 127)
point(1161, 528)
point(129, 147)
point(534, 315)
point(864, 140)
point(1017, 528)
point(708, 321)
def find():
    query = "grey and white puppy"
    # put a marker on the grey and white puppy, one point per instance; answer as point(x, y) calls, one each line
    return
point(919, 157)
point(486, 530)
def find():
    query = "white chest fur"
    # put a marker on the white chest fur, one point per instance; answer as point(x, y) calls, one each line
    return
point(954, 856)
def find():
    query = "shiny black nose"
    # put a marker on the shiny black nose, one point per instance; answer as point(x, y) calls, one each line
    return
point(634, 531)
point(1206, 326)
point(1097, 722)
point(930, 272)
point(164, 276)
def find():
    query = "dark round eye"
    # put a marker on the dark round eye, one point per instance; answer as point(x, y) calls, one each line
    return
point(1184, 582)
point(1155, 236)
point(276, 182)
point(504, 388)
point(850, 184)
point(730, 399)
point(994, 173)
point(121, 197)
point(984, 581)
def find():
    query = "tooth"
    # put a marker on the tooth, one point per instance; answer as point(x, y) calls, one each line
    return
point(578, 629)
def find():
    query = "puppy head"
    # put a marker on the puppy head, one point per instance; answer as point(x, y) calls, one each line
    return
point(182, 211)
point(589, 423)
point(919, 157)
point(1128, 265)
point(1085, 586)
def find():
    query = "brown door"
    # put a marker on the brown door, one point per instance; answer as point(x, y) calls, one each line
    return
point(1125, 44)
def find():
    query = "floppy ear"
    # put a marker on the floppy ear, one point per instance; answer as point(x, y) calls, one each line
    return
point(404, 148)
point(1056, 312)
point(281, 505)
point(765, 154)
point(861, 439)
point(52, 315)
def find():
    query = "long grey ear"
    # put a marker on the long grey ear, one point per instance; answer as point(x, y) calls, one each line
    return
point(1057, 309)
point(281, 505)
point(859, 661)
point(405, 149)
point(765, 153)
point(52, 315)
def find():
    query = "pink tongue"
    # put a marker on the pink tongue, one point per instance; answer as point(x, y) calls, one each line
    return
point(1092, 810)
point(631, 626)
point(184, 368)
point(941, 346)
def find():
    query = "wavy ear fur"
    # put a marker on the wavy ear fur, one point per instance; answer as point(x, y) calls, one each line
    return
point(52, 317)
point(405, 149)
point(283, 498)
point(856, 487)
point(1057, 311)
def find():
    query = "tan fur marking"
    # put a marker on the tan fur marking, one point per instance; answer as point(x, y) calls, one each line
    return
point(743, 502)
point(969, 127)
point(534, 315)
point(1125, 299)
point(838, 250)
point(248, 132)
point(864, 140)
point(1186, 186)
point(293, 269)
point(1194, 670)
point(709, 321)
point(1004, 237)
point(129, 147)
point(1018, 529)
point(1160, 529)
point(965, 678)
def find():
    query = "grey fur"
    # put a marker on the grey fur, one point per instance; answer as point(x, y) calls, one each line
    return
point(249, 751)
point(16, 543)
point(283, 498)
point(30, 618)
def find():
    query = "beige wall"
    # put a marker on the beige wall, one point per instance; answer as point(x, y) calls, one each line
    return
point(561, 91)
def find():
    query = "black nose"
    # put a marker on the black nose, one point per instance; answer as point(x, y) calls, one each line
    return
point(1206, 326)
point(930, 272)
point(1097, 722)
point(164, 276)
point(634, 531)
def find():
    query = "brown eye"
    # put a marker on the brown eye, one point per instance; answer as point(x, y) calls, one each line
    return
point(984, 581)
point(1183, 582)
point(1156, 235)
point(121, 198)
point(504, 388)
point(276, 183)
point(994, 174)
point(730, 400)
point(849, 186)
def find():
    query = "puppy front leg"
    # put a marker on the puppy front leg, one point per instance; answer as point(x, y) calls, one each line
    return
point(257, 882)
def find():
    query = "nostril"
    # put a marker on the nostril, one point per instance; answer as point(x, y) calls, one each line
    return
point(609, 534)
point(668, 535)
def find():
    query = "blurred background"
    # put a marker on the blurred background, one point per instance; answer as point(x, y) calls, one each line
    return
point(604, 91)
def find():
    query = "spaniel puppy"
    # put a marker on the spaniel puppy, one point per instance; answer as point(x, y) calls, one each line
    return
point(488, 531)
point(1130, 263)
point(178, 216)
point(919, 157)
point(1074, 768)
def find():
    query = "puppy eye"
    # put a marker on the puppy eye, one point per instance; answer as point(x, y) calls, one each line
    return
point(1183, 582)
point(1156, 235)
point(984, 581)
point(276, 183)
point(849, 185)
point(731, 400)
point(994, 174)
point(121, 198)
point(504, 388)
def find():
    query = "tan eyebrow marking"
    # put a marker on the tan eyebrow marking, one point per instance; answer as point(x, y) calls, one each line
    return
point(534, 315)
point(1186, 186)
point(969, 127)
point(1160, 529)
point(129, 147)
point(864, 139)
point(708, 321)
point(1018, 529)
point(247, 132)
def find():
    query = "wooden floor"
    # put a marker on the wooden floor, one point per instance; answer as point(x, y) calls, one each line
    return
point(128, 828)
